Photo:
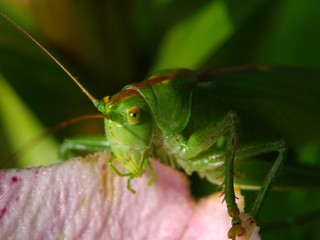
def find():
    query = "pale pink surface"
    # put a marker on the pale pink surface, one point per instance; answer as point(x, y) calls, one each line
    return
point(84, 199)
point(211, 220)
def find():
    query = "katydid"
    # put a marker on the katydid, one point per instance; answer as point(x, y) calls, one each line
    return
point(222, 124)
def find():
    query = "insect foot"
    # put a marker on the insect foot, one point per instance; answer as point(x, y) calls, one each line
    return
point(235, 230)
point(246, 229)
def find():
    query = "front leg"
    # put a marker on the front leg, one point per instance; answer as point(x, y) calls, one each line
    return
point(146, 163)
point(83, 144)
point(99, 143)
point(204, 139)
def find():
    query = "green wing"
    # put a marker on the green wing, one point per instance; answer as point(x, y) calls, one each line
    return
point(270, 102)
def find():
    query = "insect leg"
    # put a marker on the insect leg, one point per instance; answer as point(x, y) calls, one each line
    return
point(131, 176)
point(272, 174)
point(204, 139)
point(152, 173)
point(229, 195)
point(251, 151)
point(112, 158)
point(211, 165)
point(92, 143)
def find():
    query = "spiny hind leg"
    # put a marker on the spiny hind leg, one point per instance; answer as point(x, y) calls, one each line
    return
point(274, 171)
point(212, 164)
point(252, 151)
point(270, 178)
point(228, 182)
point(215, 161)
point(202, 141)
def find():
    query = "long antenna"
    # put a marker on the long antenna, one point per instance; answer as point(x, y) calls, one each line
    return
point(94, 100)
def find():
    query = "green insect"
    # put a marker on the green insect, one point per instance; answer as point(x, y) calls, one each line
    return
point(198, 122)
point(234, 127)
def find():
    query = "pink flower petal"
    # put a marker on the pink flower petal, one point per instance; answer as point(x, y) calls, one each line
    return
point(211, 220)
point(85, 199)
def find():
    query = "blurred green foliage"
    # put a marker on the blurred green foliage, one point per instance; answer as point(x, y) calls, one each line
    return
point(108, 44)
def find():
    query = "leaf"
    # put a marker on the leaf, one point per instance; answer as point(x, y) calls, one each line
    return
point(20, 126)
point(178, 47)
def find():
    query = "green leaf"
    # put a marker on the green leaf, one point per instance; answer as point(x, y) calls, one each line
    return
point(190, 42)
point(20, 126)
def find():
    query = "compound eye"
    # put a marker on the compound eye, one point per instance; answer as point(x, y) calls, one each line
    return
point(134, 115)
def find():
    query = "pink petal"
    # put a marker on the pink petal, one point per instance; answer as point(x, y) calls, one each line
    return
point(85, 199)
point(211, 220)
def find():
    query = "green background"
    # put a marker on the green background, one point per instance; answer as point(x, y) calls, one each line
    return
point(108, 44)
